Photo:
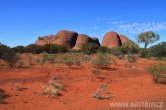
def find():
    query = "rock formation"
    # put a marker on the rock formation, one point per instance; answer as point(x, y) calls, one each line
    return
point(95, 40)
point(81, 39)
point(111, 39)
point(67, 38)
point(124, 39)
point(46, 40)
point(73, 40)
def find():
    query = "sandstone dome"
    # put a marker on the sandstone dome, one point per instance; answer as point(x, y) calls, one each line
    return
point(111, 39)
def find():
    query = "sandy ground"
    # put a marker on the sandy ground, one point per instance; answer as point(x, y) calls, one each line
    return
point(126, 84)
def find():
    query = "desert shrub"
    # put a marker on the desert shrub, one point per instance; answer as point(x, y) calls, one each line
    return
point(158, 50)
point(143, 53)
point(97, 93)
point(11, 58)
point(21, 63)
point(131, 58)
point(101, 60)
point(48, 58)
point(53, 88)
point(33, 48)
point(62, 49)
point(96, 71)
point(121, 56)
point(103, 49)
point(3, 49)
point(89, 48)
point(2, 96)
point(86, 58)
point(70, 59)
point(19, 49)
point(129, 48)
point(116, 51)
point(158, 71)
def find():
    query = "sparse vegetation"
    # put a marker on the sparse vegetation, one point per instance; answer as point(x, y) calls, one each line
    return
point(131, 58)
point(158, 71)
point(97, 93)
point(101, 60)
point(96, 71)
point(47, 58)
point(70, 59)
point(116, 51)
point(103, 49)
point(53, 88)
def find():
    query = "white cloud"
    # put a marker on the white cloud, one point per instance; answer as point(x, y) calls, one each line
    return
point(131, 27)
point(141, 27)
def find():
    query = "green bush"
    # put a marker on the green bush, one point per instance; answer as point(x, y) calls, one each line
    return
point(103, 49)
point(116, 51)
point(101, 60)
point(129, 48)
point(89, 48)
point(11, 58)
point(54, 48)
point(3, 49)
point(143, 53)
point(19, 49)
point(158, 71)
point(158, 50)
point(33, 48)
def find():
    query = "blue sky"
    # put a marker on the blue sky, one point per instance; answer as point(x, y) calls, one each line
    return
point(22, 21)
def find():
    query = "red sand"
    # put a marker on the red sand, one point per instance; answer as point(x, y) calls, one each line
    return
point(126, 84)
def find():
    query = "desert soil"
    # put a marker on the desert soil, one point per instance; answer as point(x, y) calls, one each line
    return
point(126, 84)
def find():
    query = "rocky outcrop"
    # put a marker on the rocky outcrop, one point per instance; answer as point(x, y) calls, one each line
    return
point(111, 39)
point(67, 38)
point(46, 40)
point(81, 39)
point(73, 40)
point(124, 39)
point(96, 41)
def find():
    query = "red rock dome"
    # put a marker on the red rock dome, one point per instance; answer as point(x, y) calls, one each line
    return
point(111, 39)
point(81, 39)
point(124, 39)
point(46, 40)
point(67, 38)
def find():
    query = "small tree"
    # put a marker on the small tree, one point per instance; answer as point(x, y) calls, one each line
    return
point(89, 48)
point(147, 37)
point(11, 58)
